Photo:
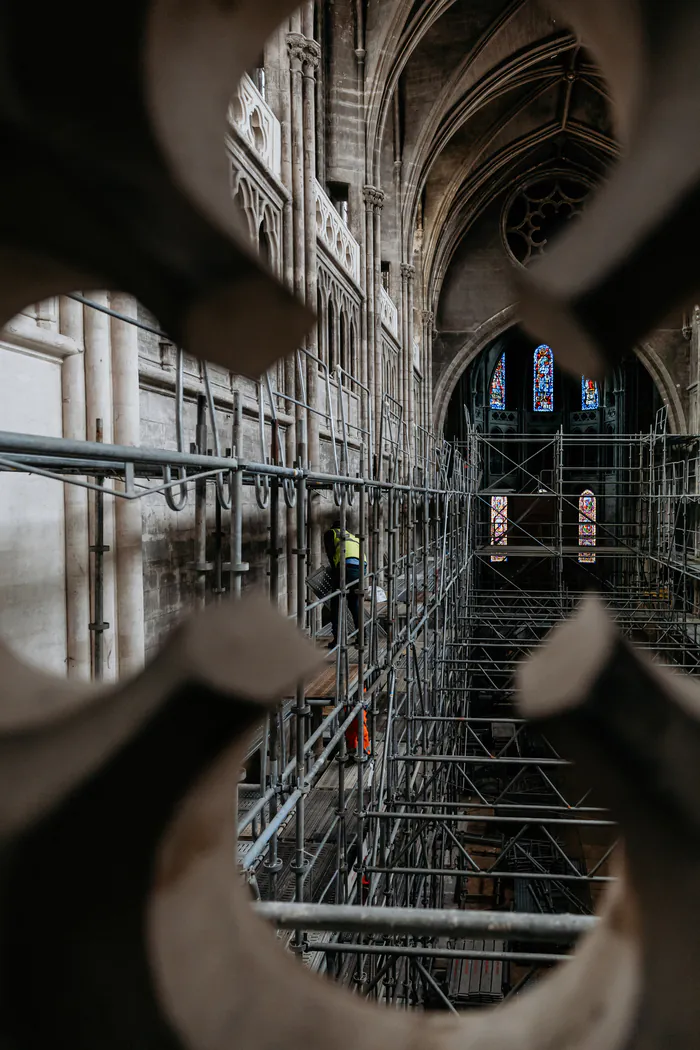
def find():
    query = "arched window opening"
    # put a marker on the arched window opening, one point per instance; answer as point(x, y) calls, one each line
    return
point(587, 526)
point(332, 351)
point(499, 525)
point(243, 204)
point(543, 385)
point(497, 396)
point(589, 394)
point(353, 351)
point(343, 354)
point(322, 330)
point(265, 247)
point(389, 372)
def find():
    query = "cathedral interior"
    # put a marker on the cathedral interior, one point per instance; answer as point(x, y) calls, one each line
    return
point(393, 163)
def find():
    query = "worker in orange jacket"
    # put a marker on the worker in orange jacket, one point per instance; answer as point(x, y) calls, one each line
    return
point(351, 740)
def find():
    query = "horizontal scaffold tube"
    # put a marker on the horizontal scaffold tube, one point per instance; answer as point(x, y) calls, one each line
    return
point(481, 760)
point(425, 921)
point(334, 947)
point(483, 818)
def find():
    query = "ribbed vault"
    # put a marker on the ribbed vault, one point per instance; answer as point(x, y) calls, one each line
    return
point(470, 100)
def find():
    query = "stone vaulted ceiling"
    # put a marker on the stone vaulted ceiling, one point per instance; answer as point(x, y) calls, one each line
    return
point(471, 98)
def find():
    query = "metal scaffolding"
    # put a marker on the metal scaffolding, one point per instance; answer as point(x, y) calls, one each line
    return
point(464, 817)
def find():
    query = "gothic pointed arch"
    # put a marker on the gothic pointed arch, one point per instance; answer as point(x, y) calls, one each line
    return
point(543, 379)
point(497, 391)
point(588, 526)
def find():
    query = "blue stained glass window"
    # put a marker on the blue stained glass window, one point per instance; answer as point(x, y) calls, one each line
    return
point(587, 525)
point(589, 394)
point(543, 385)
point(499, 525)
point(497, 397)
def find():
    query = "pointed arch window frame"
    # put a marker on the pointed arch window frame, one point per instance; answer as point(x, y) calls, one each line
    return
point(498, 527)
point(587, 526)
point(590, 395)
point(497, 389)
point(543, 379)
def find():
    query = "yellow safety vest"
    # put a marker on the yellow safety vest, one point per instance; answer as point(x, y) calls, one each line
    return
point(352, 547)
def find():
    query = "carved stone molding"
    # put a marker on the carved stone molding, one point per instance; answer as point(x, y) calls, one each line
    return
point(23, 334)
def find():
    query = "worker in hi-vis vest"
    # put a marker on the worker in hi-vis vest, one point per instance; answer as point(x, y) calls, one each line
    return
point(333, 544)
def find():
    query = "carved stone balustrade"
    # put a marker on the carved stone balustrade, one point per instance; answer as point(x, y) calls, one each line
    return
point(257, 125)
point(390, 313)
point(335, 235)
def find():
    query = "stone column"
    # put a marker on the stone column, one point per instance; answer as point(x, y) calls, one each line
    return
point(276, 52)
point(428, 325)
point(320, 107)
point(374, 202)
point(365, 251)
point(295, 47)
point(129, 528)
point(311, 58)
point(407, 275)
point(402, 394)
point(75, 501)
point(367, 351)
point(296, 264)
point(279, 97)
point(304, 57)
point(694, 414)
point(411, 410)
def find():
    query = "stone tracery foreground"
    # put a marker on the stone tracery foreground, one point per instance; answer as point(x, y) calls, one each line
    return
point(123, 923)
point(124, 919)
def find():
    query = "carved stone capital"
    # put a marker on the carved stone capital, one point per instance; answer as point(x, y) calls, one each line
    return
point(304, 54)
point(374, 198)
point(429, 319)
point(408, 272)
point(312, 58)
point(296, 49)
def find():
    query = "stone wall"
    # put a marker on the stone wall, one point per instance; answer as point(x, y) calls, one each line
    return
point(32, 523)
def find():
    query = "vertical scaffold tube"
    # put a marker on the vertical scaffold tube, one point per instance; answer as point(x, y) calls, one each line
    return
point(302, 709)
point(200, 510)
point(77, 539)
point(98, 549)
point(238, 567)
point(276, 719)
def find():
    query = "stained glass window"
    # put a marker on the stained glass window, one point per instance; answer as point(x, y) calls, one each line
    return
point(589, 394)
point(587, 525)
point(543, 386)
point(499, 525)
point(497, 397)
